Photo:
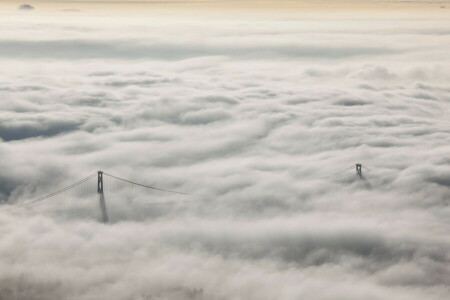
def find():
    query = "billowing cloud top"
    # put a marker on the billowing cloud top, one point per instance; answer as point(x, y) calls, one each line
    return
point(253, 114)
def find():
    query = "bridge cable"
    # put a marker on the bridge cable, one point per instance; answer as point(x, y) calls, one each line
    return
point(62, 190)
point(337, 173)
point(340, 172)
point(149, 187)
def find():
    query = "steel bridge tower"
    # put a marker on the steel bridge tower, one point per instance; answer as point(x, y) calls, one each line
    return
point(359, 169)
point(102, 197)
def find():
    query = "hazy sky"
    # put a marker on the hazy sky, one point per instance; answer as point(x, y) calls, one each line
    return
point(287, 4)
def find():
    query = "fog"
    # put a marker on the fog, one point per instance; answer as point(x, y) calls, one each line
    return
point(251, 115)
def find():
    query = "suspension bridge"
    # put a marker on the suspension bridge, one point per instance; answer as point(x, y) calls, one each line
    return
point(97, 183)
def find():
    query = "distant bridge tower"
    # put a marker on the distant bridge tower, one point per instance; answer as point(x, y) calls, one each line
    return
point(102, 197)
point(359, 170)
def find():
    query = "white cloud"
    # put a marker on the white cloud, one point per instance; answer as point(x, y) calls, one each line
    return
point(254, 116)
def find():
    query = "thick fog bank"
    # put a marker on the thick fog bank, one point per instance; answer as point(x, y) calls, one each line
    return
point(253, 116)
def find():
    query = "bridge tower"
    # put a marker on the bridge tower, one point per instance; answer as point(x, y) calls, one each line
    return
point(102, 197)
point(359, 170)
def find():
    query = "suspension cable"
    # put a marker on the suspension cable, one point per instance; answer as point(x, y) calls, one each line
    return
point(340, 172)
point(62, 190)
point(149, 187)
point(337, 173)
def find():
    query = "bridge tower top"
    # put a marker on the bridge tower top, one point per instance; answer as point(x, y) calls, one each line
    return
point(100, 182)
point(102, 197)
point(359, 169)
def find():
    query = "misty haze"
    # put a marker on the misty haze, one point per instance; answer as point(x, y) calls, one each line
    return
point(224, 151)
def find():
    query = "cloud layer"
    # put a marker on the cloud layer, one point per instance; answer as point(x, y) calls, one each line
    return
point(251, 114)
